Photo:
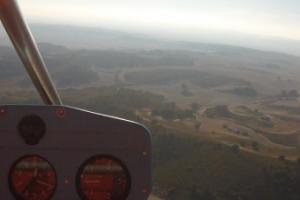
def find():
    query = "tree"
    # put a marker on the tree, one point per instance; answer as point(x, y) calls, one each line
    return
point(281, 157)
point(255, 146)
point(298, 161)
point(195, 107)
point(198, 125)
point(243, 144)
point(293, 93)
point(235, 148)
point(283, 93)
point(185, 90)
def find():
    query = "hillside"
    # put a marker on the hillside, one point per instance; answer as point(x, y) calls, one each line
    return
point(187, 168)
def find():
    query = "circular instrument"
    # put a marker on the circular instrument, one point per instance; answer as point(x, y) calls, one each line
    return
point(103, 178)
point(32, 129)
point(32, 178)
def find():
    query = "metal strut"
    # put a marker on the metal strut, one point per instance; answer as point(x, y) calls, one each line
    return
point(25, 45)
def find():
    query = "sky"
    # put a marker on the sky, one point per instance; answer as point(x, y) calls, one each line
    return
point(274, 18)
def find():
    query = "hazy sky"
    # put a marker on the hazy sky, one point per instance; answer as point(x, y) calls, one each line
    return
point(279, 18)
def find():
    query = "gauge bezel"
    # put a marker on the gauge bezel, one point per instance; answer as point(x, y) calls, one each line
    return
point(12, 169)
point(103, 156)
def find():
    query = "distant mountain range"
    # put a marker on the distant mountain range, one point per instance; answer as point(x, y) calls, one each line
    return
point(100, 38)
point(80, 67)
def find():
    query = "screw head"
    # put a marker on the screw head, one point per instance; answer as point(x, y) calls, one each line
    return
point(61, 112)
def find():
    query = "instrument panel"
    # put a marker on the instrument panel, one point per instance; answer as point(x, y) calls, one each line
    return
point(58, 152)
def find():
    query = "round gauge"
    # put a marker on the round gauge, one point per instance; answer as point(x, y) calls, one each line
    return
point(32, 178)
point(103, 178)
point(32, 129)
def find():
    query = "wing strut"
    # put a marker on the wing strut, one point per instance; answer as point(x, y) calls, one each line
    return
point(25, 45)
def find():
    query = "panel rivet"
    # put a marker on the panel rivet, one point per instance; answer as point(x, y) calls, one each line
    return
point(60, 112)
point(145, 190)
point(2, 111)
point(66, 181)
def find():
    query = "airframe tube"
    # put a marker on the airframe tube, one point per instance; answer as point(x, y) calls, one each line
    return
point(24, 43)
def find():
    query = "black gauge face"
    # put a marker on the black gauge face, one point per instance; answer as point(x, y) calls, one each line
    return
point(32, 129)
point(103, 178)
point(32, 178)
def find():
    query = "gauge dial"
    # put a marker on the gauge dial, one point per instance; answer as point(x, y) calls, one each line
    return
point(103, 178)
point(32, 178)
